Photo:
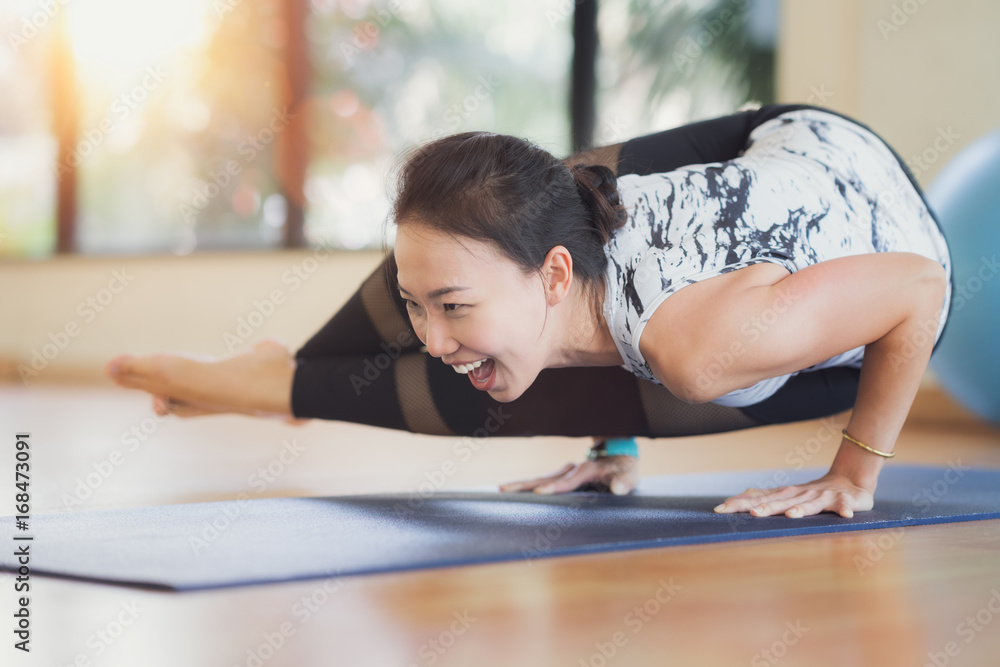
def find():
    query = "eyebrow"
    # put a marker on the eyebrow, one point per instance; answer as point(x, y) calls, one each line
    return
point(438, 292)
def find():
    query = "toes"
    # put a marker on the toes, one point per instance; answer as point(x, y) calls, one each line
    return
point(144, 373)
point(165, 405)
point(161, 405)
point(113, 368)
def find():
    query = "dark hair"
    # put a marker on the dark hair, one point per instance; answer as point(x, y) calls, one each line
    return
point(513, 195)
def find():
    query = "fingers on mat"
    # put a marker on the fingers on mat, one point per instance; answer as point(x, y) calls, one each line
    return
point(529, 484)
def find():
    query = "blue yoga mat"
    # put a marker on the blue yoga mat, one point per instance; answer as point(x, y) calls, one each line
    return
point(238, 543)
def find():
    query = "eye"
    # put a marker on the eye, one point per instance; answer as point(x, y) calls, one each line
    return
point(449, 307)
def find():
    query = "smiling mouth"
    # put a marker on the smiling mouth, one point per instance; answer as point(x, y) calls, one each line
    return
point(462, 369)
point(482, 373)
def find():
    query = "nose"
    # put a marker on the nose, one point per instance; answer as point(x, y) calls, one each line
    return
point(438, 339)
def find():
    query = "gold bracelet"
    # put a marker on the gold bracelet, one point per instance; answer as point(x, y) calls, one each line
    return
point(861, 444)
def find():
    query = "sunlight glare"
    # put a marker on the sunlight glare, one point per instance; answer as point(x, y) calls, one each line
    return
point(119, 34)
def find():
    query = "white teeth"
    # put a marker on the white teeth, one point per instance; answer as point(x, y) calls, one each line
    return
point(462, 369)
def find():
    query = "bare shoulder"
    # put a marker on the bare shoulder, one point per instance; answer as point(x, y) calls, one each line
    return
point(678, 325)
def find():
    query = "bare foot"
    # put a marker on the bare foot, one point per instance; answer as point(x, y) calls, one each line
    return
point(165, 405)
point(255, 382)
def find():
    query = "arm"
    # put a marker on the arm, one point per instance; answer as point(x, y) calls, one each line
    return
point(888, 302)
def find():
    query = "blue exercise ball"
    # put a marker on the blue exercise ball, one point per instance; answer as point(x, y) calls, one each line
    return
point(965, 195)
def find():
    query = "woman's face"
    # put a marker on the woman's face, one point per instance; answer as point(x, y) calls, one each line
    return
point(495, 312)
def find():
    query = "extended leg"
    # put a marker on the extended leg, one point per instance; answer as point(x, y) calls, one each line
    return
point(365, 366)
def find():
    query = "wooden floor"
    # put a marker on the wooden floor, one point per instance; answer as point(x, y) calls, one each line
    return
point(893, 597)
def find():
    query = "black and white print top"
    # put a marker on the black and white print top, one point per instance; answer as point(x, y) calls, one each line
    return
point(810, 186)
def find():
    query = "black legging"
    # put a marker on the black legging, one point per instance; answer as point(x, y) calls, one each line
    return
point(364, 365)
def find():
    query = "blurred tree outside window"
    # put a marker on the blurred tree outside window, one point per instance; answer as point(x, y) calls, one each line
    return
point(664, 63)
point(27, 145)
point(387, 81)
point(172, 107)
point(180, 106)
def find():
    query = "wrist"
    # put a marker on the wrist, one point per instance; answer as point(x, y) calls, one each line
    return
point(614, 447)
point(859, 466)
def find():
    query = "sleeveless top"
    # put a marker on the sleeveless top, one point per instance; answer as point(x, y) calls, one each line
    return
point(809, 186)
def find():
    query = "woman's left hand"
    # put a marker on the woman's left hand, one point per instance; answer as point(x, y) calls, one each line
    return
point(830, 493)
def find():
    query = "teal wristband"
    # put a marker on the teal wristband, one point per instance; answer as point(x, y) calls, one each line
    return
point(621, 447)
point(615, 447)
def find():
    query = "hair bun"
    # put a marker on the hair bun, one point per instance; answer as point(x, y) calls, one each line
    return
point(598, 187)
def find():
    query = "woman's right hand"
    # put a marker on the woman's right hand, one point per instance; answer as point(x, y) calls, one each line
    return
point(619, 474)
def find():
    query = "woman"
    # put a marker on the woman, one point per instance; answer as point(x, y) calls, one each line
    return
point(813, 272)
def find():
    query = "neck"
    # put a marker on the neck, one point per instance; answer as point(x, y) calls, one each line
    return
point(586, 337)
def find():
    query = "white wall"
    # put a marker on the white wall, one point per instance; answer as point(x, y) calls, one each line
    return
point(165, 303)
point(921, 73)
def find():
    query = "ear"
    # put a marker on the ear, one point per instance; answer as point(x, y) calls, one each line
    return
point(557, 274)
